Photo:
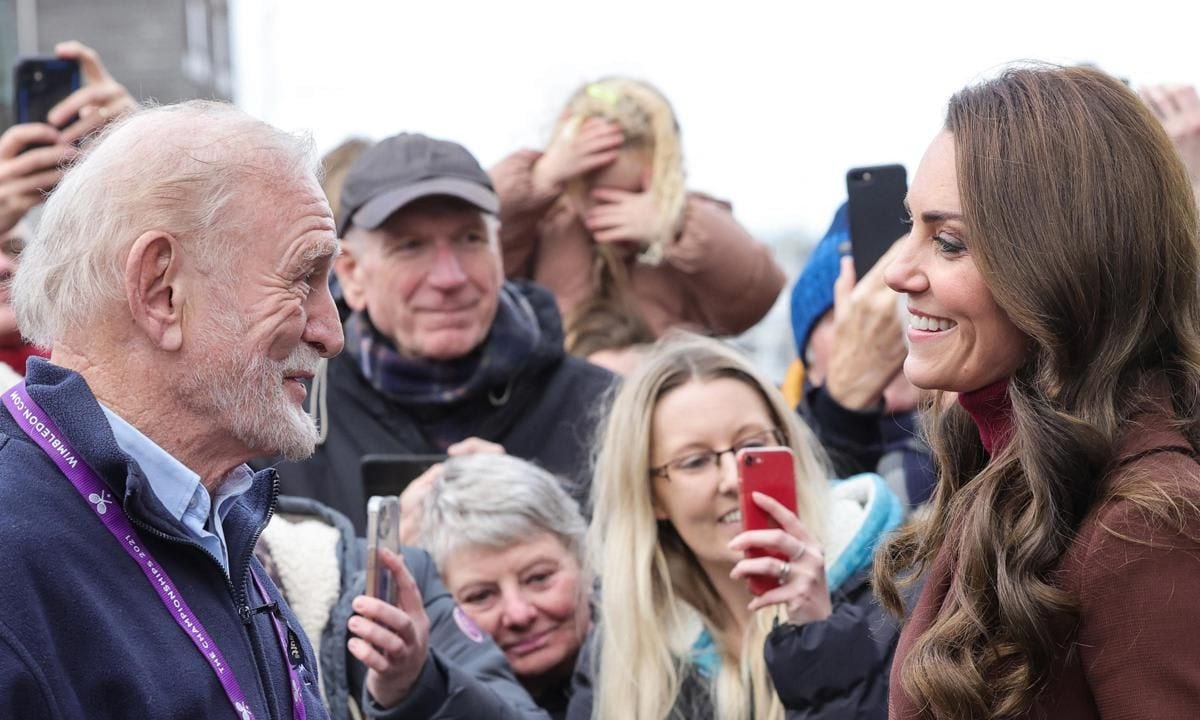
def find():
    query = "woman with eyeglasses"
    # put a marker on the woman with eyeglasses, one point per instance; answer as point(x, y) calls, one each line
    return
point(679, 634)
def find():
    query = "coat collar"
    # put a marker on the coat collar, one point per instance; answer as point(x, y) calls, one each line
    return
point(67, 398)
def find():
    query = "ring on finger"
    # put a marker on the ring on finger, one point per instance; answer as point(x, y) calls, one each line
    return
point(785, 571)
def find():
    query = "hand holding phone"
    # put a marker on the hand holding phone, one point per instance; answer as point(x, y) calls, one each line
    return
point(383, 532)
point(784, 564)
point(771, 471)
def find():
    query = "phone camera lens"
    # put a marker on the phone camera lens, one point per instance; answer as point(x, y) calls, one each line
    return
point(38, 76)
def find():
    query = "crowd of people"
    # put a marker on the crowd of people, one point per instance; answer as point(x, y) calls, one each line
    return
point(210, 332)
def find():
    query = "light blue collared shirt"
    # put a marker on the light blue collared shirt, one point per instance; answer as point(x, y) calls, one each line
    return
point(180, 490)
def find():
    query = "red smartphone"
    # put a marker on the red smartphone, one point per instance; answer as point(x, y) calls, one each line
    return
point(770, 471)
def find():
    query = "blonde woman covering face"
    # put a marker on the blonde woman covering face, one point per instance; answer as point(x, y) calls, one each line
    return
point(602, 217)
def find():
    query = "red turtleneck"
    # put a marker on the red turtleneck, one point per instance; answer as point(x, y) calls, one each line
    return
point(991, 409)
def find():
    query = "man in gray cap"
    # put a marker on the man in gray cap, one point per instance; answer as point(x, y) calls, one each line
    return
point(439, 348)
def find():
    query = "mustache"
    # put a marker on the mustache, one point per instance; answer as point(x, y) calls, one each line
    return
point(303, 360)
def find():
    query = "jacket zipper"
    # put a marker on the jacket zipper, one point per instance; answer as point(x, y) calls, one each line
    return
point(239, 596)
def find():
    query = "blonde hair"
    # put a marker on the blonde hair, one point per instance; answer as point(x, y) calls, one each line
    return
point(649, 125)
point(654, 590)
point(336, 166)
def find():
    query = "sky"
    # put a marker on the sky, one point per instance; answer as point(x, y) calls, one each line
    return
point(776, 99)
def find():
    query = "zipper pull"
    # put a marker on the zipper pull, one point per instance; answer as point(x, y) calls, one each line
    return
point(246, 614)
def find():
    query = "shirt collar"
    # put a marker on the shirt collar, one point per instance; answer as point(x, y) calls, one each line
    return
point(172, 482)
point(175, 485)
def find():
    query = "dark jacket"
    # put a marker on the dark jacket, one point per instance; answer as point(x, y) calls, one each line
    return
point(82, 632)
point(837, 668)
point(466, 677)
point(548, 415)
point(859, 441)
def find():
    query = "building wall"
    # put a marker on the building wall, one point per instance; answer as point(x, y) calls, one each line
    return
point(165, 50)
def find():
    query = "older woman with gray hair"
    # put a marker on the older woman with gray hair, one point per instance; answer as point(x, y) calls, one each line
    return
point(509, 543)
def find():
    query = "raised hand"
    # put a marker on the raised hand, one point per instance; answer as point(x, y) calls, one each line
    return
point(26, 177)
point(100, 100)
point(868, 347)
point(391, 640)
point(622, 216)
point(1177, 107)
point(803, 589)
point(578, 148)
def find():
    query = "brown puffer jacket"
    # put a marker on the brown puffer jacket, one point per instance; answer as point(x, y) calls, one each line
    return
point(715, 278)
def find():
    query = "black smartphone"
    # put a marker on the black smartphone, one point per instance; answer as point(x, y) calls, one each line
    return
point(877, 212)
point(390, 474)
point(40, 83)
point(383, 531)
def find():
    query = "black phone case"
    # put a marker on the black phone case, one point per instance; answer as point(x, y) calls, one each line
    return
point(39, 84)
point(384, 474)
point(876, 212)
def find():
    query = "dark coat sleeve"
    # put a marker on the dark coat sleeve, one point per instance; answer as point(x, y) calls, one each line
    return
point(464, 677)
point(837, 668)
point(851, 438)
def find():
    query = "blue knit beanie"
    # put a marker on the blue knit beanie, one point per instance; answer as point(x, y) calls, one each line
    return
point(812, 295)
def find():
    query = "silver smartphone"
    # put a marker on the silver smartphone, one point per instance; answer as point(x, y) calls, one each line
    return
point(383, 531)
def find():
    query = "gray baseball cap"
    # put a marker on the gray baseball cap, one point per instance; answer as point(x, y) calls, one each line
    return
point(406, 167)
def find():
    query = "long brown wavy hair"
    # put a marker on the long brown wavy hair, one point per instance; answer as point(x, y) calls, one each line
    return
point(1083, 226)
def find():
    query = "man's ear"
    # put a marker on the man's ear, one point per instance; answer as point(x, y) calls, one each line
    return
point(152, 288)
point(349, 271)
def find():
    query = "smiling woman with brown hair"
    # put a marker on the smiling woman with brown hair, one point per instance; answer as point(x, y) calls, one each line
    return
point(1051, 276)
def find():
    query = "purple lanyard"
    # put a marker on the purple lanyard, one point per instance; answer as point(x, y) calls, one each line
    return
point(44, 431)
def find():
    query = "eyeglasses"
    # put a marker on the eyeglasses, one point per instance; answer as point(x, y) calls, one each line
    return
point(704, 463)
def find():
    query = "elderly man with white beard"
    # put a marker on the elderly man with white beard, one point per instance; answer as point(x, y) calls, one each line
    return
point(180, 275)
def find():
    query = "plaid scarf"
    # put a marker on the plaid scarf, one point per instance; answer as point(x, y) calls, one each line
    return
point(421, 382)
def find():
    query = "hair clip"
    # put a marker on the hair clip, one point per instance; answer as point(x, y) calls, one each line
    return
point(603, 92)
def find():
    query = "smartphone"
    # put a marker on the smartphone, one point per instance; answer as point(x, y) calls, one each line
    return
point(383, 531)
point(771, 471)
point(384, 474)
point(40, 83)
point(877, 214)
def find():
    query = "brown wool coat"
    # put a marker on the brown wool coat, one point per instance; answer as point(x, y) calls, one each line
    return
point(714, 278)
point(1134, 650)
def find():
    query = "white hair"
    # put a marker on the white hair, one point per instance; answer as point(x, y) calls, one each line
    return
point(190, 170)
point(497, 501)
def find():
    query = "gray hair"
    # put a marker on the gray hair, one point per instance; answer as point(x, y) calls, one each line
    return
point(190, 169)
point(497, 501)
